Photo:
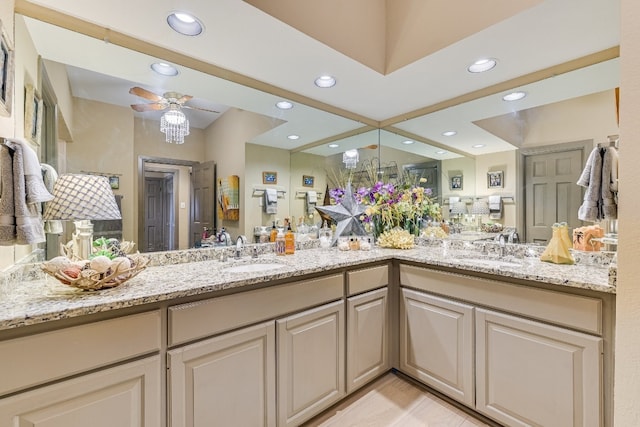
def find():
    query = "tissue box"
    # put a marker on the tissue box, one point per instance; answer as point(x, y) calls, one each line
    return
point(583, 238)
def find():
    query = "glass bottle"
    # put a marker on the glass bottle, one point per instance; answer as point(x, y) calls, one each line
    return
point(274, 233)
point(289, 241)
point(280, 243)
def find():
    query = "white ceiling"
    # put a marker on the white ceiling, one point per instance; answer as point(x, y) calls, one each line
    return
point(243, 39)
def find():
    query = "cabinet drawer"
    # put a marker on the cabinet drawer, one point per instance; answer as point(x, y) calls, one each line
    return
point(561, 308)
point(40, 358)
point(204, 318)
point(367, 279)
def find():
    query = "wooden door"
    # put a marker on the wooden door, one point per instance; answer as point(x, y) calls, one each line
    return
point(168, 208)
point(534, 374)
point(367, 337)
point(310, 363)
point(154, 220)
point(128, 395)
point(436, 343)
point(225, 381)
point(203, 184)
point(551, 192)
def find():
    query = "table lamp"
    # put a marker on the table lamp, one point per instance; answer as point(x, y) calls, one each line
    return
point(479, 208)
point(82, 198)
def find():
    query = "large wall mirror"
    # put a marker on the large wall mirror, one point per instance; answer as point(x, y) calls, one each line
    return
point(100, 133)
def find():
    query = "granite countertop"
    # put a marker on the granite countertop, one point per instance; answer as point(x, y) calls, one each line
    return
point(26, 300)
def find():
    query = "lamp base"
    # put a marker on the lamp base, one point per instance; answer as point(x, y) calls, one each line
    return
point(83, 238)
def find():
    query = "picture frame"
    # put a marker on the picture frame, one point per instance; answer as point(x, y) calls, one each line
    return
point(308, 181)
point(269, 177)
point(32, 114)
point(455, 183)
point(114, 182)
point(6, 73)
point(495, 179)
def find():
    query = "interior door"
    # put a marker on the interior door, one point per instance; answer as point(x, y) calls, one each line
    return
point(168, 203)
point(551, 192)
point(203, 183)
point(154, 221)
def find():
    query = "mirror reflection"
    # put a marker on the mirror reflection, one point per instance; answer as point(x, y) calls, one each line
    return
point(242, 131)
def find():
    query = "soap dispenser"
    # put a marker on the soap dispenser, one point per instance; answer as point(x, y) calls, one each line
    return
point(274, 233)
point(289, 241)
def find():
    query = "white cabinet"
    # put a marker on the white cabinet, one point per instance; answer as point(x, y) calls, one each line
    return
point(531, 373)
point(310, 362)
point(436, 343)
point(367, 337)
point(128, 395)
point(225, 381)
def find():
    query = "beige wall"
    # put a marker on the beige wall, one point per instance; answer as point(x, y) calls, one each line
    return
point(59, 79)
point(306, 164)
point(225, 144)
point(103, 144)
point(258, 159)
point(504, 161)
point(627, 348)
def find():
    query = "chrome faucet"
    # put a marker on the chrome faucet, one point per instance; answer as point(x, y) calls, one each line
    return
point(502, 244)
point(240, 242)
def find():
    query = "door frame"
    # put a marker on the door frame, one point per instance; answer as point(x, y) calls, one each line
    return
point(585, 146)
point(142, 161)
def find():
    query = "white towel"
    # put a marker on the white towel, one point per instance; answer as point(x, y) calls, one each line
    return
point(271, 201)
point(312, 200)
point(495, 207)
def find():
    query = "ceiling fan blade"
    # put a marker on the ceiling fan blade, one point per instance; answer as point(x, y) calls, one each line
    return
point(371, 147)
point(148, 107)
point(143, 93)
point(201, 109)
point(183, 99)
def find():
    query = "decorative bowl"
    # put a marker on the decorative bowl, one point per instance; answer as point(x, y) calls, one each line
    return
point(98, 273)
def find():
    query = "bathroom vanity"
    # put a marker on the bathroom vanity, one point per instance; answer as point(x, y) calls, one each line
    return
point(194, 341)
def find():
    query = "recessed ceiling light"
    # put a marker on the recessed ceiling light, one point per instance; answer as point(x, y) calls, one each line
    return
point(478, 146)
point(164, 69)
point(333, 145)
point(408, 142)
point(441, 152)
point(185, 23)
point(449, 133)
point(293, 137)
point(482, 65)
point(284, 105)
point(514, 96)
point(325, 81)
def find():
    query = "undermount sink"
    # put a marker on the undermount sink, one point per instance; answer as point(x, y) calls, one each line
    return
point(493, 262)
point(254, 268)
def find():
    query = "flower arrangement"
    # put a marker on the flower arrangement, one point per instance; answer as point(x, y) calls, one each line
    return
point(390, 206)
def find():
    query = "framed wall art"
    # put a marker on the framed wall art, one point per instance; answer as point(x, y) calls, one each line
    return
point(6, 73)
point(269, 177)
point(495, 179)
point(32, 114)
point(307, 181)
point(114, 182)
point(456, 182)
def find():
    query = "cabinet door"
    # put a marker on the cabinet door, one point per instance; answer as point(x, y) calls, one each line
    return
point(224, 381)
point(310, 362)
point(128, 395)
point(530, 373)
point(436, 343)
point(367, 332)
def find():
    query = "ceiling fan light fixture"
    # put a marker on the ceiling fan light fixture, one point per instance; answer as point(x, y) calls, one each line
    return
point(164, 69)
point(482, 65)
point(350, 158)
point(175, 125)
point(185, 23)
point(325, 81)
point(284, 105)
point(514, 96)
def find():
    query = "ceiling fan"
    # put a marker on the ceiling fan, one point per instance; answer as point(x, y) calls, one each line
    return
point(170, 100)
